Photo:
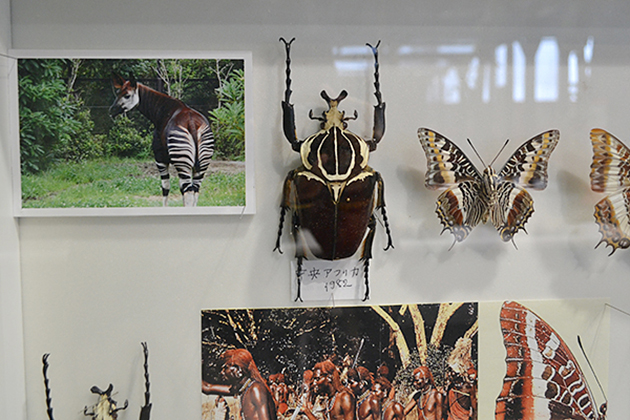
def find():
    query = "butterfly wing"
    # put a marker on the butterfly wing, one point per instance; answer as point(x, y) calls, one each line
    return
point(527, 167)
point(610, 173)
point(459, 208)
point(447, 165)
point(543, 380)
point(512, 209)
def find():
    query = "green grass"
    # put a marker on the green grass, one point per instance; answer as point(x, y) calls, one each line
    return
point(121, 183)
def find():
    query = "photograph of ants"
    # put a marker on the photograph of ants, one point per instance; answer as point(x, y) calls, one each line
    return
point(137, 135)
point(344, 363)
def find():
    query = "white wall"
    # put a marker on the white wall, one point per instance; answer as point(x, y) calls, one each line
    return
point(93, 288)
point(12, 391)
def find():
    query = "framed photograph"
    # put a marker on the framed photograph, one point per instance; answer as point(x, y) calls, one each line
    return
point(306, 361)
point(106, 134)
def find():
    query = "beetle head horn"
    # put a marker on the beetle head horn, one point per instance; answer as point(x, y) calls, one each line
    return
point(338, 99)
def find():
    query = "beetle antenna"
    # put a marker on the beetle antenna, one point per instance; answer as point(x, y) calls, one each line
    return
point(145, 410)
point(287, 47)
point(591, 367)
point(475, 150)
point(377, 83)
point(49, 408)
point(504, 144)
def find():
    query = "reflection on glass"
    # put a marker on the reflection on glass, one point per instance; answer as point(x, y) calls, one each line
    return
point(546, 72)
point(573, 76)
point(519, 68)
point(451, 87)
point(473, 73)
point(454, 71)
point(501, 60)
point(485, 93)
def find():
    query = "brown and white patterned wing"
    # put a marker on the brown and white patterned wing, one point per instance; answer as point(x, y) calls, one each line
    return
point(513, 208)
point(610, 170)
point(461, 208)
point(612, 216)
point(527, 167)
point(447, 165)
point(543, 380)
point(610, 173)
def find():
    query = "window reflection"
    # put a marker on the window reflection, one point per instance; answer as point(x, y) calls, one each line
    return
point(546, 73)
point(519, 72)
point(466, 71)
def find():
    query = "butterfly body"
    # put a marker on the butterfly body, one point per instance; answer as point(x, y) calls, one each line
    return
point(471, 197)
point(610, 173)
point(543, 380)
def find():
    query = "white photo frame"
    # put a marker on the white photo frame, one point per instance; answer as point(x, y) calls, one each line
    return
point(242, 199)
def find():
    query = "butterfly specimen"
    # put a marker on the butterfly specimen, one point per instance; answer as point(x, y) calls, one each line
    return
point(610, 173)
point(472, 197)
point(543, 379)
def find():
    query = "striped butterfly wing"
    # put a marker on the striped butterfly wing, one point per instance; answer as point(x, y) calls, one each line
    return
point(543, 380)
point(526, 168)
point(459, 208)
point(610, 173)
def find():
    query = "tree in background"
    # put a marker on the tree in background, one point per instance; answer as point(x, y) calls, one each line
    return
point(51, 119)
point(228, 119)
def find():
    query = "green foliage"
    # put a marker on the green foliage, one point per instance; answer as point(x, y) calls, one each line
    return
point(53, 123)
point(228, 120)
point(125, 140)
point(114, 182)
point(82, 144)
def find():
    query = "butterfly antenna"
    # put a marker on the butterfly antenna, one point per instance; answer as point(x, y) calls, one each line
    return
point(591, 367)
point(500, 151)
point(453, 244)
point(475, 150)
point(514, 243)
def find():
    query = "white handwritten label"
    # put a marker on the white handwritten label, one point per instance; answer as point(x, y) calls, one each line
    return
point(329, 280)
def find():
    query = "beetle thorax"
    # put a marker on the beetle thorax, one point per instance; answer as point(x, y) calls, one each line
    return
point(334, 118)
point(104, 408)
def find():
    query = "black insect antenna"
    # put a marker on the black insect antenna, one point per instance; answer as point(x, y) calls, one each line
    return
point(287, 48)
point(504, 144)
point(49, 408)
point(592, 370)
point(477, 153)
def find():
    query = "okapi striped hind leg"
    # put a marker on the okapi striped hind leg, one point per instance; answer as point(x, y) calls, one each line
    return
point(165, 181)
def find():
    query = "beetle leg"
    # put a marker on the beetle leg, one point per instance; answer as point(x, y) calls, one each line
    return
point(298, 275)
point(284, 206)
point(288, 113)
point(366, 254)
point(300, 253)
point(379, 108)
point(380, 204)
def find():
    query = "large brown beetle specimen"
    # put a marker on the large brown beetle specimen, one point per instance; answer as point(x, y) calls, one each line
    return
point(333, 195)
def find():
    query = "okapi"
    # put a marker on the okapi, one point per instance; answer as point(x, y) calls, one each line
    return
point(182, 135)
